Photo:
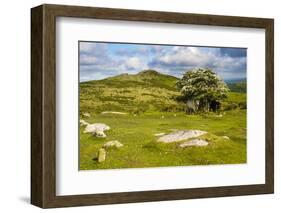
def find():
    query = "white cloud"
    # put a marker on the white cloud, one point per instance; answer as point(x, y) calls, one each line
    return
point(135, 63)
point(87, 46)
point(180, 59)
point(187, 56)
point(85, 59)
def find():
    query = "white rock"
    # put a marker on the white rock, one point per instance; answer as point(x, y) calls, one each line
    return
point(226, 137)
point(112, 112)
point(181, 135)
point(101, 155)
point(219, 116)
point(100, 134)
point(194, 142)
point(86, 114)
point(159, 134)
point(112, 144)
point(83, 123)
point(97, 129)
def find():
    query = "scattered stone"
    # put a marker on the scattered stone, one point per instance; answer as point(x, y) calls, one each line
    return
point(100, 134)
point(101, 155)
point(175, 115)
point(194, 142)
point(219, 116)
point(159, 134)
point(112, 144)
point(96, 126)
point(162, 116)
point(181, 135)
point(226, 137)
point(86, 114)
point(83, 123)
point(97, 129)
point(111, 112)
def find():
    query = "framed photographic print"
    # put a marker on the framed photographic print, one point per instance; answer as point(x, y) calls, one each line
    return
point(136, 106)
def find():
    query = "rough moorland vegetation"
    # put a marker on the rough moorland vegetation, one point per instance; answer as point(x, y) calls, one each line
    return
point(138, 110)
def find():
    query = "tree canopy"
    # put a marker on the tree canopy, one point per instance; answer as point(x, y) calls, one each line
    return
point(204, 87)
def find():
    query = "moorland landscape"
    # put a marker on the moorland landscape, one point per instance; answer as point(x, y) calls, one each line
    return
point(149, 119)
point(154, 105)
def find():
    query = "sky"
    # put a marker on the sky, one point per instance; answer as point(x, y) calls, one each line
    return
point(99, 60)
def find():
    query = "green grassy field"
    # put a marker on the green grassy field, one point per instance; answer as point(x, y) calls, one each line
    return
point(149, 101)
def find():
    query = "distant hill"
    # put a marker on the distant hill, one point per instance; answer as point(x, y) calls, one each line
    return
point(239, 86)
point(143, 78)
point(148, 90)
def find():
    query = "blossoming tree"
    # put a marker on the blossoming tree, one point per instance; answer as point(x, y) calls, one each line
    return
point(202, 90)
